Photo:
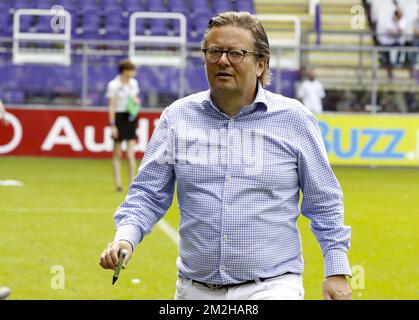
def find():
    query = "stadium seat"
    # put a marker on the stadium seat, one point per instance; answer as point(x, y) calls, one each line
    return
point(69, 5)
point(16, 97)
point(111, 6)
point(21, 4)
point(5, 20)
point(43, 24)
point(158, 27)
point(89, 7)
point(156, 6)
point(44, 4)
point(222, 6)
point(245, 5)
point(140, 26)
point(178, 6)
point(200, 6)
point(198, 23)
point(5, 6)
point(113, 26)
point(26, 23)
point(133, 6)
point(91, 26)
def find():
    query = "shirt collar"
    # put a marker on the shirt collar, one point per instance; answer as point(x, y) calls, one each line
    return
point(259, 102)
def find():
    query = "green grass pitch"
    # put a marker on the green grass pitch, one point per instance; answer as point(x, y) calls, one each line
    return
point(63, 216)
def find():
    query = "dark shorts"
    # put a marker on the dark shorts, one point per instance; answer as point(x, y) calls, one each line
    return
point(126, 128)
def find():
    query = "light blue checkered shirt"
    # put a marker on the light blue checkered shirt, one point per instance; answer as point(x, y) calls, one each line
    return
point(239, 181)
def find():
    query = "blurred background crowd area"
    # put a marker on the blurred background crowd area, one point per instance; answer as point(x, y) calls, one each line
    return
point(364, 53)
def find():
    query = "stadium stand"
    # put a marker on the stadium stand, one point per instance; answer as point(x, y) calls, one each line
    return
point(101, 28)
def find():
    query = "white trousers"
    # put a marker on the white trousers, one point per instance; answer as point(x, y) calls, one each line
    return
point(286, 287)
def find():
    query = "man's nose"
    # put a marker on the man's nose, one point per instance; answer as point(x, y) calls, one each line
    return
point(224, 58)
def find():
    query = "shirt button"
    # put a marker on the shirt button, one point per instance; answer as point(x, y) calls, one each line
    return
point(225, 237)
point(229, 178)
point(223, 267)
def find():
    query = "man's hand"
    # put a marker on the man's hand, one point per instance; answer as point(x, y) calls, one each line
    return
point(336, 288)
point(109, 256)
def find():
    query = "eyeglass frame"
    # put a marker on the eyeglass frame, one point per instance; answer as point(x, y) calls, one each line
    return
point(204, 51)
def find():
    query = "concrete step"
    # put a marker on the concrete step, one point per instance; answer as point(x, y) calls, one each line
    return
point(281, 2)
point(338, 58)
point(339, 2)
point(306, 23)
point(353, 73)
point(281, 6)
point(278, 9)
point(344, 39)
point(395, 86)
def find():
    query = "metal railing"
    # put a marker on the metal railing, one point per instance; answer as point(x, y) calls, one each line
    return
point(29, 56)
point(83, 50)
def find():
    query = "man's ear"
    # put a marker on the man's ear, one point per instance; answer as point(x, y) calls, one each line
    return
point(261, 65)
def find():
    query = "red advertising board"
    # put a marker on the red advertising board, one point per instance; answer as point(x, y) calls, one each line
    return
point(66, 133)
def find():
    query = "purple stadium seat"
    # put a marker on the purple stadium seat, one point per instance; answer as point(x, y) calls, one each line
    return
point(89, 7)
point(140, 26)
point(200, 6)
point(133, 6)
point(113, 21)
point(43, 4)
point(16, 97)
point(69, 5)
point(195, 76)
point(111, 6)
point(158, 27)
point(5, 6)
point(8, 76)
point(91, 25)
point(20, 4)
point(200, 22)
point(178, 6)
point(245, 5)
point(25, 23)
point(222, 6)
point(5, 20)
point(43, 24)
point(157, 6)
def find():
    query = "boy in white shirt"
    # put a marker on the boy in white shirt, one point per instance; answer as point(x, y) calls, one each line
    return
point(312, 92)
point(122, 88)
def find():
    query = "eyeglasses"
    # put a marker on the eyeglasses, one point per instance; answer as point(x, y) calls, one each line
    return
point(235, 56)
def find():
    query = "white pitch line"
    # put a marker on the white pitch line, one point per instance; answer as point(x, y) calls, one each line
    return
point(169, 231)
point(11, 183)
point(162, 224)
point(68, 210)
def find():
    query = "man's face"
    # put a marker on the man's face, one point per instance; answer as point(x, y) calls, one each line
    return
point(130, 73)
point(224, 76)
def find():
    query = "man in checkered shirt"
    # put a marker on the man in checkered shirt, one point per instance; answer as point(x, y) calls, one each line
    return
point(240, 156)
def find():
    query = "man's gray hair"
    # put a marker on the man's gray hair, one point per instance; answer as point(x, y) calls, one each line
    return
point(250, 22)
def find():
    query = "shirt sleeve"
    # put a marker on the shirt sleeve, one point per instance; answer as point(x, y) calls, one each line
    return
point(322, 200)
point(151, 192)
point(110, 90)
point(136, 88)
point(301, 91)
point(322, 93)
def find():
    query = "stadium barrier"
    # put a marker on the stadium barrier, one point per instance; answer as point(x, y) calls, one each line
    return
point(367, 140)
point(71, 133)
